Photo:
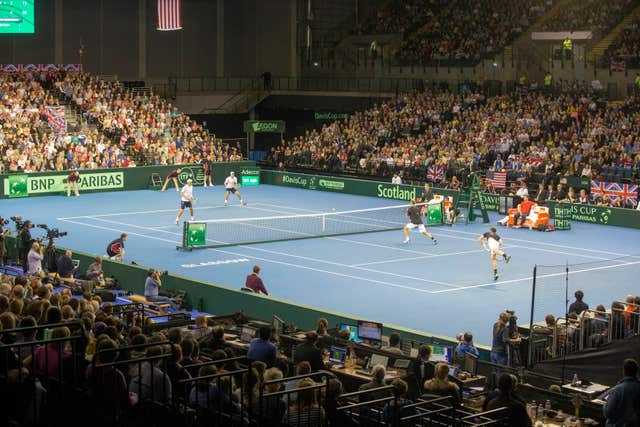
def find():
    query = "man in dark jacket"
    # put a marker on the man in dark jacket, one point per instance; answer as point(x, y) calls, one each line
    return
point(517, 411)
point(622, 407)
point(308, 351)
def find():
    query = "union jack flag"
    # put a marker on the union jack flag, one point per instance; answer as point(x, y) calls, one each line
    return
point(627, 193)
point(56, 119)
point(435, 173)
point(497, 179)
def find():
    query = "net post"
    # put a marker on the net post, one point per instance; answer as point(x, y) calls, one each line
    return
point(185, 237)
point(533, 299)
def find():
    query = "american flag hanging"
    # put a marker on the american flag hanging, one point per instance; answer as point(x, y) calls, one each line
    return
point(497, 179)
point(626, 193)
point(169, 15)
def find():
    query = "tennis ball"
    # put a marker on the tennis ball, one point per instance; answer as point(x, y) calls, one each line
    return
point(333, 209)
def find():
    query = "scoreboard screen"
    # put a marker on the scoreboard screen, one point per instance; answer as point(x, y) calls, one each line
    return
point(17, 17)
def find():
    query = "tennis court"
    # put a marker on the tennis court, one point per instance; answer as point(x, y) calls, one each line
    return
point(443, 289)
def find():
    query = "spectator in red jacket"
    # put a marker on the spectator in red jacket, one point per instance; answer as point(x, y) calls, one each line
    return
point(254, 282)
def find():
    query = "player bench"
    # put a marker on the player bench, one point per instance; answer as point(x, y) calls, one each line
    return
point(159, 308)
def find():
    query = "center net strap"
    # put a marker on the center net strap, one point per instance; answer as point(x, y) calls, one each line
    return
point(237, 231)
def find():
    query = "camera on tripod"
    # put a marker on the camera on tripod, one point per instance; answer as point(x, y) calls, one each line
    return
point(52, 233)
point(19, 221)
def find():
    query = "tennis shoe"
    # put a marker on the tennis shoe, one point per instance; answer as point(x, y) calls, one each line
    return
point(192, 219)
point(495, 277)
point(507, 258)
point(435, 242)
point(177, 220)
point(406, 240)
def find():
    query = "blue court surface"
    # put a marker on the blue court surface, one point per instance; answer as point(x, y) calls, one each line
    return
point(443, 289)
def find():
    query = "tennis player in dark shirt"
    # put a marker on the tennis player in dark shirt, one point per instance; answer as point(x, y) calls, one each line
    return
point(493, 244)
point(173, 175)
point(415, 221)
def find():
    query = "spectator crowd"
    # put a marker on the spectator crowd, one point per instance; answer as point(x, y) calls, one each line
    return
point(127, 129)
point(440, 137)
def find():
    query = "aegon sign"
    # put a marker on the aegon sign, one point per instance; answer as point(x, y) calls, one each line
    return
point(264, 126)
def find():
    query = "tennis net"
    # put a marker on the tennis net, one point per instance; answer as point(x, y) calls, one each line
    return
point(238, 231)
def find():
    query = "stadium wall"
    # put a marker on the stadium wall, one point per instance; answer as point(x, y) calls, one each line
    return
point(385, 190)
point(114, 179)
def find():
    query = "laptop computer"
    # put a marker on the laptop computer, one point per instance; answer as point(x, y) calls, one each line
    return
point(247, 334)
point(337, 356)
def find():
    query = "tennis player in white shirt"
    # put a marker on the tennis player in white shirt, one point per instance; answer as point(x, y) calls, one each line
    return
point(230, 185)
point(186, 200)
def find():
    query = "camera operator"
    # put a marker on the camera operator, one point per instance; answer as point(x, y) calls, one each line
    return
point(65, 265)
point(3, 233)
point(26, 242)
point(151, 288)
point(34, 259)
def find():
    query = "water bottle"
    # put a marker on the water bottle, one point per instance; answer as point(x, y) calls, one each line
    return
point(575, 379)
point(547, 405)
point(540, 412)
point(532, 410)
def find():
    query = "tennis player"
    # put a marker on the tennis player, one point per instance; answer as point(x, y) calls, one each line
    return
point(173, 175)
point(493, 244)
point(186, 200)
point(230, 185)
point(414, 213)
point(72, 182)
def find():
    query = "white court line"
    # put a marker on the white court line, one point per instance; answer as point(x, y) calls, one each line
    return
point(420, 257)
point(510, 238)
point(379, 282)
point(549, 244)
point(462, 288)
point(135, 213)
point(320, 261)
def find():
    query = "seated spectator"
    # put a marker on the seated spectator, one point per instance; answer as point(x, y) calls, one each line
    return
point(394, 345)
point(306, 410)
point(524, 208)
point(216, 340)
point(466, 347)
point(262, 348)
point(331, 404)
point(201, 328)
point(308, 351)
point(273, 407)
point(149, 381)
point(48, 359)
point(395, 410)
point(441, 386)
point(107, 385)
point(378, 372)
point(517, 414)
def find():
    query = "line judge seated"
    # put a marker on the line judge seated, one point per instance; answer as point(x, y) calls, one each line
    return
point(254, 282)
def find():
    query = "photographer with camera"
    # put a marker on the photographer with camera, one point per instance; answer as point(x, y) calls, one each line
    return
point(34, 259)
point(3, 233)
point(25, 242)
point(151, 289)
